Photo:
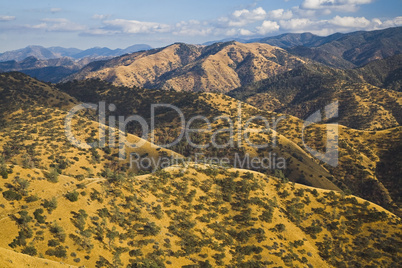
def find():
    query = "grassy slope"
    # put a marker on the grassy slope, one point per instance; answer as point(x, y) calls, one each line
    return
point(11, 259)
point(202, 214)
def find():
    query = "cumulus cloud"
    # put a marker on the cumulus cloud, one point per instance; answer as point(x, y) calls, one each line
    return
point(238, 32)
point(268, 27)
point(280, 14)
point(340, 5)
point(57, 25)
point(395, 22)
point(55, 9)
point(100, 16)
point(118, 26)
point(245, 32)
point(240, 18)
point(192, 28)
point(350, 22)
point(296, 24)
point(6, 18)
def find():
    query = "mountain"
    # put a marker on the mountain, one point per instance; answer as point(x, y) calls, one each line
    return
point(19, 91)
point(86, 207)
point(64, 52)
point(301, 91)
point(220, 67)
point(290, 40)
point(48, 70)
point(386, 73)
point(56, 63)
point(42, 53)
point(300, 167)
point(107, 52)
point(34, 51)
point(353, 49)
point(338, 50)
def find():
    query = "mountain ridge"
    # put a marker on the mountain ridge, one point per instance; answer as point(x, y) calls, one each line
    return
point(219, 67)
point(42, 53)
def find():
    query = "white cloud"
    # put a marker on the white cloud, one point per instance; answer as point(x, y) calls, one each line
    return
point(340, 5)
point(55, 9)
point(245, 32)
point(240, 18)
point(280, 14)
point(268, 27)
point(350, 22)
point(296, 24)
point(238, 32)
point(392, 22)
point(6, 18)
point(57, 25)
point(192, 28)
point(132, 27)
point(100, 16)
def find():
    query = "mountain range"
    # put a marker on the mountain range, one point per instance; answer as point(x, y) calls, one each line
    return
point(188, 67)
point(339, 50)
point(119, 204)
point(42, 53)
point(219, 67)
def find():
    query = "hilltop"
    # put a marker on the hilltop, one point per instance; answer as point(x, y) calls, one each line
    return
point(219, 67)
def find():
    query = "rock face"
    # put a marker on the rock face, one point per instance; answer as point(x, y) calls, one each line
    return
point(220, 67)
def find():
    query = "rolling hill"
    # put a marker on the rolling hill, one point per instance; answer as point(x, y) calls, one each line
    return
point(84, 206)
point(220, 67)
point(42, 53)
point(300, 166)
point(353, 49)
point(303, 90)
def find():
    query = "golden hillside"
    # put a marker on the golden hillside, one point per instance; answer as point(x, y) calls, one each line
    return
point(365, 157)
point(11, 259)
point(198, 216)
point(219, 67)
point(86, 207)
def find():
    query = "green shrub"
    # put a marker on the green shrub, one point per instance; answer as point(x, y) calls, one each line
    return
point(31, 198)
point(53, 175)
point(72, 196)
point(50, 205)
point(10, 195)
point(38, 215)
point(30, 250)
point(59, 252)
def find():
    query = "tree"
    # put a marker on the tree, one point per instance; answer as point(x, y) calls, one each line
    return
point(50, 205)
point(30, 250)
point(21, 186)
point(72, 196)
point(58, 232)
point(10, 195)
point(53, 175)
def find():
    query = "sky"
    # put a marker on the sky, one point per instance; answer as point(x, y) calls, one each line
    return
point(122, 23)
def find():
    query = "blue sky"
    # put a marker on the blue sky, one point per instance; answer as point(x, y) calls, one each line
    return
point(121, 23)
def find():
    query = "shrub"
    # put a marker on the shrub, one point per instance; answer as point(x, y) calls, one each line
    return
point(72, 196)
point(53, 176)
point(280, 227)
point(59, 252)
point(50, 205)
point(53, 243)
point(58, 232)
point(10, 195)
point(30, 250)
point(31, 198)
point(38, 215)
